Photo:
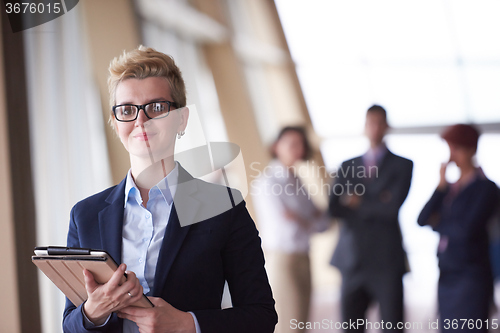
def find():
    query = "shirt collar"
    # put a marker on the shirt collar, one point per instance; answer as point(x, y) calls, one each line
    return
point(167, 186)
point(377, 153)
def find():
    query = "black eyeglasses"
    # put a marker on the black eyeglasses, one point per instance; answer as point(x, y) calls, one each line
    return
point(153, 110)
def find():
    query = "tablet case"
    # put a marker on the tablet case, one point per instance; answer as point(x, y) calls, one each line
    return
point(64, 266)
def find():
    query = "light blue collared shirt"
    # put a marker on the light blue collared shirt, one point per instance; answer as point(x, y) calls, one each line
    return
point(143, 231)
point(144, 228)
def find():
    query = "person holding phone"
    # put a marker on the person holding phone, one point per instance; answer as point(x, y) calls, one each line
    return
point(178, 239)
point(460, 212)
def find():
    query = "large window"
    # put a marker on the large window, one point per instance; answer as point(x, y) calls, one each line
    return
point(429, 63)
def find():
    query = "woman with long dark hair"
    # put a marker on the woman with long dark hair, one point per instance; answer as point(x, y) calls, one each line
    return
point(287, 217)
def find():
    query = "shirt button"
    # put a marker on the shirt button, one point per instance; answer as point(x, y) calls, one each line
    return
point(148, 216)
point(140, 260)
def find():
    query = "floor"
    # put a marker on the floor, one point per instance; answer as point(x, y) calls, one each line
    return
point(420, 310)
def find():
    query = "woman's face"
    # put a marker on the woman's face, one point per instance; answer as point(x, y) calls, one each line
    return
point(290, 148)
point(145, 138)
point(461, 155)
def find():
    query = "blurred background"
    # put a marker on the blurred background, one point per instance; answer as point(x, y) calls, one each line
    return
point(251, 67)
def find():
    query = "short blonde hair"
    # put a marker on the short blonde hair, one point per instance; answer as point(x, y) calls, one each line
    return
point(141, 63)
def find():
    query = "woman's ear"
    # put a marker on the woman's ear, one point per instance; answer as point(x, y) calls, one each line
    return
point(272, 149)
point(115, 127)
point(184, 116)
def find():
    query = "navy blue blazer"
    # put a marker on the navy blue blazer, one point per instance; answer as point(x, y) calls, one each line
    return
point(194, 261)
point(463, 220)
point(465, 281)
point(370, 236)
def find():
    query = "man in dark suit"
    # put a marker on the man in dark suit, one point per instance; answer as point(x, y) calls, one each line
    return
point(366, 198)
point(181, 238)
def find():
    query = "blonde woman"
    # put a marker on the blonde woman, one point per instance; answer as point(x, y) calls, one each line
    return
point(150, 223)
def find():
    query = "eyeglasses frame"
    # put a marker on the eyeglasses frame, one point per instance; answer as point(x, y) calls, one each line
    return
point(143, 108)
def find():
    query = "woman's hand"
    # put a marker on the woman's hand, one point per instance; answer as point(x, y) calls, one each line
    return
point(296, 218)
point(351, 201)
point(442, 177)
point(162, 318)
point(111, 296)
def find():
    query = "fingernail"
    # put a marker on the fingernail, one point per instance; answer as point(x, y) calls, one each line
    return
point(123, 267)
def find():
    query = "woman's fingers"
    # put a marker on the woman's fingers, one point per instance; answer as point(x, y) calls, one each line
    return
point(90, 283)
point(130, 284)
point(131, 291)
point(137, 289)
point(113, 295)
point(117, 276)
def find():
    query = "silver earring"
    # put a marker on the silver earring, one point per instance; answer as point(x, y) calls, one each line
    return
point(180, 134)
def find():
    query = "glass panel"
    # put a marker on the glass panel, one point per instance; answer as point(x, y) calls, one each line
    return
point(428, 62)
point(483, 84)
point(477, 28)
point(337, 97)
point(419, 95)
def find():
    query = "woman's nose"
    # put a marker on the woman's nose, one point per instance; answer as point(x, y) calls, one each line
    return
point(141, 118)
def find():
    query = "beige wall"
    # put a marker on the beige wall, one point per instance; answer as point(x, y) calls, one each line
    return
point(227, 66)
point(235, 102)
point(18, 232)
point(111, 28)
point(288, 108)
point(107, 37)
point(9, 306)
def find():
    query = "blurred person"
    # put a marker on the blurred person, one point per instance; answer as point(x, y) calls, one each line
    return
point(155, 224)
point(287, 218)
point(366, 198)
point(460, 212)
point(494, 237)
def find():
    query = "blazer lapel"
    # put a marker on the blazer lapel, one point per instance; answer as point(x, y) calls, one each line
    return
point(175, 234)
point(111, 222)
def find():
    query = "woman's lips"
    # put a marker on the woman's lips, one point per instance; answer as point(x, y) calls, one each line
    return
point(143, 136)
